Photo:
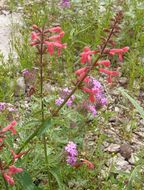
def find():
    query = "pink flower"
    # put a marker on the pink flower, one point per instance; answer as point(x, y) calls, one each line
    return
point(110, 73)
point(10, 127)
point(34, 43)
point(14, 170)
point(57, 37)
point(80, 71)
point(1, 140)
point(86, 55)
point(106, 63)
point(51, 46)
point(34, 36)
point(119, 52)
point(9, 179)
point(55, 29)
point(91, 93)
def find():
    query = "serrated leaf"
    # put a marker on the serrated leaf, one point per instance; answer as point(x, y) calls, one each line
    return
point(25, 181)
point(45, 125)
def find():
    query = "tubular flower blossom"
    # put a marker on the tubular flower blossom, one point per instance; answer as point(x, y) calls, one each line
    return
point(8, 171)
point(9, 179)
point(9, 127)
point(8, 175)
point(109, 73)
point(34, 36)
point(55, 29)
point(86, 55)
point(14, 170)
point(106, 63)
point(48, 38)
point(81, 73)
point(72, 153)
point(119, 52)
point(64, 93)
point(97, 98)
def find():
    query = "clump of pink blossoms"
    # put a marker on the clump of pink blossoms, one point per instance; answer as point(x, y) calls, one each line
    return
point(71, 153)
point(6, 106)
point(65, 3)
point(63, 94)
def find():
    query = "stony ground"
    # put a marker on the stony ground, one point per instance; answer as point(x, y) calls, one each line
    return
point(126, 135)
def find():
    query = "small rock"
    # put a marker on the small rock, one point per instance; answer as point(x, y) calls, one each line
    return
point(119, 163)
point(20, 86)
point(48, 88)
point(115, 93)
point(133, 158)
point(112, 119)
point(123, 165)
point(142, 122)
point(123, 80)
point(117, 109)
point(113, 148)
point(125, 151)
point(20, 82)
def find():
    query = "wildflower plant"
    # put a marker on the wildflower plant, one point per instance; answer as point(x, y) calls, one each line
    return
point(8, 170)
point(48, 41)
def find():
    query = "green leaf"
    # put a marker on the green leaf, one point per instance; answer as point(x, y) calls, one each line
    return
point(57, 176)
point(26, 182)
point(133, 101)
point(45, 125)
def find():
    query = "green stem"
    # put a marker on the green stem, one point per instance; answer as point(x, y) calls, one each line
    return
point(41, 92)
point(6, 185)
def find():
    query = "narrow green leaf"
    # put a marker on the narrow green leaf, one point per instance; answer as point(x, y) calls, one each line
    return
point(57, 176)
point(133, 101)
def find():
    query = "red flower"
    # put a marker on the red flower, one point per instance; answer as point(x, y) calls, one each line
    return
point(57, 37)
point(86, 55)
point(9, 179)
point(88, 163)
point(34, 43)
point(1, 140)
point(14, 170)
point(51, 46)
point(91, 93)
point(10, 127)
point(119, 52)
point(55, 29)
point(106, 63)
point(110, 73)
point(34, 36)
point(80, 71)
